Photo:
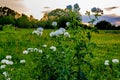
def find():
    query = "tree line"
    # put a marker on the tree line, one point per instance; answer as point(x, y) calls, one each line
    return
point(61, 16)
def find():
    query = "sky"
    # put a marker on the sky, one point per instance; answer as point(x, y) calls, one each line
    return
point(36, 8)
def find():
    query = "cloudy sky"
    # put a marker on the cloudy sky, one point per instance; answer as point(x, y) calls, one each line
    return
point(37, 7)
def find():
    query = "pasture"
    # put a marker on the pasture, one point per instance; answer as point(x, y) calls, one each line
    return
point(54, 57)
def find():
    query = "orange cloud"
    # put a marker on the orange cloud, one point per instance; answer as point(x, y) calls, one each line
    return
point(111, 8)
point(117, 22)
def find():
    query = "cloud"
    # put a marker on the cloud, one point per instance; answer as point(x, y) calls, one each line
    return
point(117, 22)
point(16, 5)
point(112, 18)
point(111, 8)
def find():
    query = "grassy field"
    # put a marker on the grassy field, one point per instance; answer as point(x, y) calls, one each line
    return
point(14, 42)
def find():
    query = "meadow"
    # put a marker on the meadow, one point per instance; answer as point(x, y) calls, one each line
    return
point(54, 58)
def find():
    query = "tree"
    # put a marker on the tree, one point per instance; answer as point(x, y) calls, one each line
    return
point(23, 22)
point(104, 25)
point(7, 20)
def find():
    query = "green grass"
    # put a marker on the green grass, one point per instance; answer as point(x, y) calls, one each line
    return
point(15, 42)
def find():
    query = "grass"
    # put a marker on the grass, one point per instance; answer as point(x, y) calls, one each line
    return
point(15, 42)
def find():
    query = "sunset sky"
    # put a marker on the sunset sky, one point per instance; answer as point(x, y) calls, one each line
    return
point(36, 8)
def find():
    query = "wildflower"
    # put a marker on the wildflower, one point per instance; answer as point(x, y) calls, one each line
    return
point(5, 73)
point(22, 61)
point(115, 60)
point(30, 49)
point(40, 51)
point(106, 62)
point(25, 52)
point(54, 23)
point(67, 24)
point(57, 32)
point(8, 79)
point(98, 10)
point(35, 50)
point(53, 48)
point(94, 9)
point(62, 29)
point(40, 29)
point(39, 33)
point(69, 7)
point(44, 45)
point(52, 34)
point(9, 62)
point(66, 34)
point(2, 66)
point(4, 61)
point(8, 57)
point(76, 7)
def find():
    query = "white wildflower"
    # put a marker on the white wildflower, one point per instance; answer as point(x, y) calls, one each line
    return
point(106, 62)
point(44, 45)
point(52, 34)
point(53, 48)
point(115, 60)
point(40, 51)
point(54, 23)
point(66, 34)
point(5, 73)
point(2, 66)
point(57, 32)
point(9, 62)
point(62, 29)
point(40, 29)
point(94, 9)
point(4, 61)
point(8, 79)
point(25, 52)
point(67, 24)
point(30, 49)
point(39, 33)
point(36, 49)
point(8, 57)
point(76, 7)
point(22, 61)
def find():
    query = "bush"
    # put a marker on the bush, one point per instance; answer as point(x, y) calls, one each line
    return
point(1, 28)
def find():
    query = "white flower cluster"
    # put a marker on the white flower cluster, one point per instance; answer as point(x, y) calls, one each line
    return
point(29, 50)
point(106, 62)
point(6, 75)
point(22, 61)
point(6, 61)
point(39, 31)
point(76, 7)
point(98, 10)
point(113, 60)
point(59, 32)
point(54, 23)
point(67, 24)
point(53, 48)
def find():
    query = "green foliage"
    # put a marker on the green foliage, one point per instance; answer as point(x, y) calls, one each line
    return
point(7, 20)
point(72, 59)
point(104, 25)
